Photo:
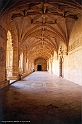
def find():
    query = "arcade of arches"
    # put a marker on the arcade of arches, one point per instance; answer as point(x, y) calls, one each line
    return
point(44, 35)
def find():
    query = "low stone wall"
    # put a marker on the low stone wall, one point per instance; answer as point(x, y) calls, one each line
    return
point(26, 74)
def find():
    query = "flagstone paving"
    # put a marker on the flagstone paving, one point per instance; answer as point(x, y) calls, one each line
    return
point(41, 98)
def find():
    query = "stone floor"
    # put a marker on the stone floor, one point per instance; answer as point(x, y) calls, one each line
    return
point(41, 98)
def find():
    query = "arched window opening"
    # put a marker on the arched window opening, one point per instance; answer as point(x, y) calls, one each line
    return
point(9, 55)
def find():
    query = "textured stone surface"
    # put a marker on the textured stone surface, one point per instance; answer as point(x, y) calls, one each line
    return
point(42, 98)
point(41, 62)
point(73, 62)
point(38, 32)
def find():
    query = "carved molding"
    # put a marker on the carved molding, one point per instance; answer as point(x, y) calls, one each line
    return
point(2, 56)
point(3, 33)
point(76, 44)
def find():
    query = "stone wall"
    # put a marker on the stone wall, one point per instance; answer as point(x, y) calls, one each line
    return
point(73, 66)
point(73, 62)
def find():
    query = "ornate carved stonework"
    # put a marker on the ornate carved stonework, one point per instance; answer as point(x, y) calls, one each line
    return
point(76, 44)
point(2, 33)
point(2, 56)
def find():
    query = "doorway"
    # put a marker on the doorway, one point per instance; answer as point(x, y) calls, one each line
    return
point(39, 68)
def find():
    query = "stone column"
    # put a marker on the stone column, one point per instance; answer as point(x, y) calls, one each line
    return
point(60, 67)
point(61, 61)
point(15, 72)
point(29, 65)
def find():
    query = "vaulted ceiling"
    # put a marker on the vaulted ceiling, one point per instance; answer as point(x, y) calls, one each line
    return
point(41, 25)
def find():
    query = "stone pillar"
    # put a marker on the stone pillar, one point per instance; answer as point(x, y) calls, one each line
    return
point(61, 52)
point(15, 72)
point(60, 67)
point(32, 66)
point(29, 66)
point(47, 65)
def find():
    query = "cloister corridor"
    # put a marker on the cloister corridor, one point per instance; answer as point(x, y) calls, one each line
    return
point(41, 61)
point(41, 98)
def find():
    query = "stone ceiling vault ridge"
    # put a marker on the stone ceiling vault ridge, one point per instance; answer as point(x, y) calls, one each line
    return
point(43, 23)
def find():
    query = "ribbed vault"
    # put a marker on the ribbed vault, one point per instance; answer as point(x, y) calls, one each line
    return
point(42, 26)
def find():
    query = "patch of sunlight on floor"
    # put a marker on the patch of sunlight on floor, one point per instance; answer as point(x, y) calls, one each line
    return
point(11, 81)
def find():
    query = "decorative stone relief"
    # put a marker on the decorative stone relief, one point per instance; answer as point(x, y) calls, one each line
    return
point(76, 44)
point(3, 33)
point(2, 56)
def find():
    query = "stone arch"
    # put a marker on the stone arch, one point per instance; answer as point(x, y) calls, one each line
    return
point(40, 64)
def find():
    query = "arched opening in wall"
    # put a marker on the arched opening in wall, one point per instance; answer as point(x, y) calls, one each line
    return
point(40, 64)
point(39, 68)
point(21, 63)
point(9, 56)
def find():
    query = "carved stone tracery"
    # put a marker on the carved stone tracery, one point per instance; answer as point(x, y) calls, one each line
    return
point(3, 33)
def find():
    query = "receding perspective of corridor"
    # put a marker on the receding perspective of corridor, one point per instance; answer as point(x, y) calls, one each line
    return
point(41, 61)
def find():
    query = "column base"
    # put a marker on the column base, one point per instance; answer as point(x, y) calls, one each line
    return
point(4, 84)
